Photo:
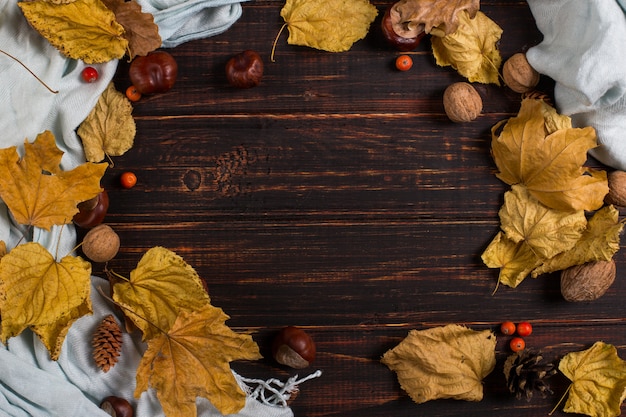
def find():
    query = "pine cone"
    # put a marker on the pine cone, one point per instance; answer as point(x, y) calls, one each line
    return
point(107, 343)
point(526, 374)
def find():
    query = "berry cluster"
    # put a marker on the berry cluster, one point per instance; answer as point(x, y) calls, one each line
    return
point(523, 329)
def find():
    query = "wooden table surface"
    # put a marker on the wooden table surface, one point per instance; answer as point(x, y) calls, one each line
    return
point(338, 197)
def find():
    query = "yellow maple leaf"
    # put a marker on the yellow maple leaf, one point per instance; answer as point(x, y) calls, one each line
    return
point(472, 49)
point(599, 242)
point(109, 128)
point(37, 191)
point(81, 29)
point(160, 287)
point(515, 260)
point(192, 359)
point(598, 378)
point(41, 293)
point(329, 25)
point(443, 362)
point(528, 151)
point(548, 232)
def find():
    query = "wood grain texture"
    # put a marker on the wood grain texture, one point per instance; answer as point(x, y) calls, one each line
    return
point(337, 196)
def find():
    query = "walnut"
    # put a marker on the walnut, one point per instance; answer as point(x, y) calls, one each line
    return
point(101, 243)
point(617, 189)
point(462, 102)
point(518, 74)
point(587, 282)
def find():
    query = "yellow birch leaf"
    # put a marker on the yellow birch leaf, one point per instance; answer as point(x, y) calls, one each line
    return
point(82, 29)
point(443, 362)
point(160, 287)
point(515, 260)
point(599, 242)
point(528, 151)
point(37, 191)
point(41, 293)
point(547, 232)
point(193, 359)
point(472, 49)
point(598, 378)
point(109, 128)
point(329, 25)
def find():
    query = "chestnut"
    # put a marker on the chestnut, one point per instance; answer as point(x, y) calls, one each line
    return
point(153, 73)
point(399, 42)
point(245, 69)
point(293, 347)
point(91, 212)
point(117, 407)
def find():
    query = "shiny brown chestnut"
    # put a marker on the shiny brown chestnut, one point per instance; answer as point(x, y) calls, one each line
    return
point(245, 69)
point(92, 212)
point(153, 73)
point(117, 407)
point(399, 42)
point(293, 347)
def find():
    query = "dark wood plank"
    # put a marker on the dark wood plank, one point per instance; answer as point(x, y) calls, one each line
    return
point(337, 196)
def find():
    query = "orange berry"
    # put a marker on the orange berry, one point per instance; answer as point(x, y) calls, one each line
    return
point(404, 63)
point(517, 344)
point(524, 329)
point(128, 179)
point(132, 93)
point(508, 328)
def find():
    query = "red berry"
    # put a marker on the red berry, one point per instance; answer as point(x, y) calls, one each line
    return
point(404, 63)
point(508, 328)
point(517, 344)
point(90, 74)
point(128, 179)
point(524, 329)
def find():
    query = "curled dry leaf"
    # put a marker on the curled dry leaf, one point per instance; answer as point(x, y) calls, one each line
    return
point(109, 129)
point(329, 25)
point(140, 30)
point(39, 169)
point(82, 29)
point(472, 49)
point(440, 18)
point(598, 378)
point(443, 362)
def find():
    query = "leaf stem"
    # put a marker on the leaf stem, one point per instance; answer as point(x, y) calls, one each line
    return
point(29, 70)
point(560, 400)
point(276, 41)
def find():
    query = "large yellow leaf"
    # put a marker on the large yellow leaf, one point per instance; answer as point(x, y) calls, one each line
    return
point(599, 242)
point(515, 260)
point(547, 231)
point(329, 25)
point(109, 128)
point(192, 359)
point(598, 378)
point(472, 49)
point(41, 293)
point(37, 191)
point(443, 362)
point(160, 287)
point(528, 151)
point(82, 29)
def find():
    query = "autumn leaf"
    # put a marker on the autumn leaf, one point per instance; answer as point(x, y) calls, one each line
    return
point(599, 242)
point(109, 128)
point(440, 18)
point(472, 49)
point(443, 362)
point(515, 260)
point(3, 248)
point(159, 287)
point(81, 29)
point(598, 378)
point(37, 191)
point(140, 30)
point(192, 359)
point(329, 25)
point(547, 231)
point(548, 162)
point(41, 293)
